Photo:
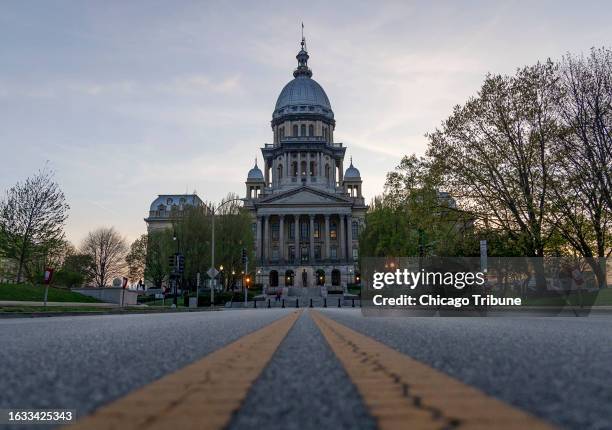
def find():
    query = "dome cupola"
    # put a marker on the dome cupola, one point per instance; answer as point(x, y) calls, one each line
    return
point(255, 174)
point(352, 173)
point(303, 96)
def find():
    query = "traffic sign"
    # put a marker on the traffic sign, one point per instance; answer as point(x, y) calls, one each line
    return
point(212, 273)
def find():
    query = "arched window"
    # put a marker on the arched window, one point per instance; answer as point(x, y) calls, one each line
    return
point(273, 278)
point(281, 132)
point(304, 168)
point(161, 208)
point(320, 277)
point(303, 130)
point(289, 278)
point(294, 168)
point(311, 130)
point(335, 277)
point(312, 168)
point(327, 172)
point(295, 130)
point(325, 133)
point(280, 171)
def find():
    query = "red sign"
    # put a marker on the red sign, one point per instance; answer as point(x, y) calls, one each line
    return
point(48, 276)
point(125, 281)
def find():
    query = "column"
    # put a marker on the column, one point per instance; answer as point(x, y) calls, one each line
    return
point(349, 236)
point(341, 171)
point(327, 238)
point(266, 172)
point(266, 240)
point(312, 244)
point(259, 255)
point(319, 165)
point(297, 239)
point(341, 242)
point(287, 173)
point(299, 166)
point(281, 238)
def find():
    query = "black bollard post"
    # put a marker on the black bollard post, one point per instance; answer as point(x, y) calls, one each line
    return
point(325, 302)
point(353, 302)
point(297, 302)
point(254, 304)
point(339, 303)
point(311, 302)
point(269, 306)
point(283, 303)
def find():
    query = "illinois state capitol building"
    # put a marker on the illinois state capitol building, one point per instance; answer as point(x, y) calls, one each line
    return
point(307, 211)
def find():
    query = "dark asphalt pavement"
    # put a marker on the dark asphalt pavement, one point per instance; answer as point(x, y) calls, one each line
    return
point(86, 361)
point(557, 368)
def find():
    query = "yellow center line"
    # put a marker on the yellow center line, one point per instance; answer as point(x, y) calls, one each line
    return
point(401, 392)
point(202, 395)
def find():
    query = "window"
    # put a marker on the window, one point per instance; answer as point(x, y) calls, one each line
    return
point(304, 253)
point(275, 228)
point(325, 133)
point(280, 171)
point(161, 208)
point(291, 230)
point(335, 277)
point(281, 132)
point(294, 166)
point(182, 200)
point(295, 130)
point(317, 230)
point(254, 228)
point(169, 202)
point(311, 130)
point(291, 253)
point(355, 254)
point(333, 230)
point(303, 130)
point(317, 254)
point(289, 278)
point(355, 229)
point(304, 227)
point(273, 278)
point(327, 172)
point(303, 165)
point(312, 168)
point(333, 252)
point(275, 253)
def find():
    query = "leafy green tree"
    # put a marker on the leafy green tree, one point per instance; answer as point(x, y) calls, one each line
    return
point(74, 271)
point(136, 258)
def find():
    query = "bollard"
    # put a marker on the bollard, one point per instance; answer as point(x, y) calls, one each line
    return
point(353, 302)
point(311, 302)
point(269, 306)
point(297, 302)
point(339, 303)
point(254, 304)
point(325, 302)
point(283, 303)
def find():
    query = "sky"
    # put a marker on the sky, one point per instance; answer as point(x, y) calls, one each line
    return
point(128, 100)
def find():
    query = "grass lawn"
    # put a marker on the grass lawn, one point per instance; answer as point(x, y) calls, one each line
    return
point(36, 293)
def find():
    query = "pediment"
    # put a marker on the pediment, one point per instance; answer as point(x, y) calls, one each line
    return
point(304, 196)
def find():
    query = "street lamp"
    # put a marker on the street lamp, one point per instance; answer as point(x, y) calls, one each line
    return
point(178, 250)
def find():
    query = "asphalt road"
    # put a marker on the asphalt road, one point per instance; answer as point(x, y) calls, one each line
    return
point(559, 369)
point(83, 362)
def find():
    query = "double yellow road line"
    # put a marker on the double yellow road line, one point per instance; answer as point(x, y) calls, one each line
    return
point(399, 392)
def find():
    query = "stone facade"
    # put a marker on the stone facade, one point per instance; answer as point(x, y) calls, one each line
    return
point(166, 208)
point(307, 212)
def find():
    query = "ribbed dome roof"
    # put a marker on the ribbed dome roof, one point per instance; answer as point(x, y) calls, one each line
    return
point(303, 95)
point(255, 174)
point(302, 91)
point(352, 172)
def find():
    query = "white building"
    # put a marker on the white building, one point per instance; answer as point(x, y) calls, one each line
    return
point(307, 211)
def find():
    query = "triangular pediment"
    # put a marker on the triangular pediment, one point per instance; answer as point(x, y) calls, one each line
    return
point(304, 196)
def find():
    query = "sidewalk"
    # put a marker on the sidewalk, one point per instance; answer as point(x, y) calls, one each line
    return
point(64, 304)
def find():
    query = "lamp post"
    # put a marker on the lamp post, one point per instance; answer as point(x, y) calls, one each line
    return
point(176, 275)
point(213, 212)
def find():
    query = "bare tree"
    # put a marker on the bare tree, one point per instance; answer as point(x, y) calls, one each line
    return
point(32, 218)
point(107, 250)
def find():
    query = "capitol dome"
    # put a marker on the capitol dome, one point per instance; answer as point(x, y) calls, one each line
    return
point(303, 95)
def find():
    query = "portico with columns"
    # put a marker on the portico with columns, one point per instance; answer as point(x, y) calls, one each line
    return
point(307, 211)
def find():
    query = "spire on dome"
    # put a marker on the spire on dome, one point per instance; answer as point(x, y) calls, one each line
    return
point(302, 57)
